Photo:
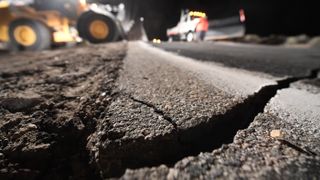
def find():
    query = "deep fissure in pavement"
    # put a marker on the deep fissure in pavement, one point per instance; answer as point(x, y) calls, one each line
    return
point(205, 137)
point(221, 129)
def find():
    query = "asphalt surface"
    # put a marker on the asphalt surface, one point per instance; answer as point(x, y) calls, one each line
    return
point(134, 111)
point(255, 153)
point(162, 103)
point(278, 61)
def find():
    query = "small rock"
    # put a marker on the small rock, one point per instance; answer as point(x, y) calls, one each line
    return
point(246, 167)
point(82, 98)
point(25, 129)
point(31, 126)
point(167, 107)
point(245, 145)
point(41, 147)
point(276, 133)
point(4, 170)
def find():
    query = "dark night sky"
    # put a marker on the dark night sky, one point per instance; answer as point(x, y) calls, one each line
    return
point(264, 17)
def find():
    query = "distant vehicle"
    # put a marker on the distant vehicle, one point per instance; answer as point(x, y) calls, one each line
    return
point(186, 28)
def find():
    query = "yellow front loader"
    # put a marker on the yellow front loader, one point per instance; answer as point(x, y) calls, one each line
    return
point(44, 23)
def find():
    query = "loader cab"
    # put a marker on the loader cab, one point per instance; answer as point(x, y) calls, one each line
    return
point(68, 8)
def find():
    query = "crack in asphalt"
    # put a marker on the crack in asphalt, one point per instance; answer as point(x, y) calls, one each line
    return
point(157, 110)
point(256, 104)
point(304, 150)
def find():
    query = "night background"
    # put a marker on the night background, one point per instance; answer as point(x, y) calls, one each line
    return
point(264, 17)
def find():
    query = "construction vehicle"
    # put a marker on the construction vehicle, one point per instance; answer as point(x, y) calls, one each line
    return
point(225, 28)
point(186, 27)
point(40, 24)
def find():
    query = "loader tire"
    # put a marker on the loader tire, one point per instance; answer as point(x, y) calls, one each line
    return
point(97, 28)
point(30, 35)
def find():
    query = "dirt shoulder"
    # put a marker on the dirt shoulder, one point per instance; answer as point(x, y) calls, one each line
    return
point(49, 105)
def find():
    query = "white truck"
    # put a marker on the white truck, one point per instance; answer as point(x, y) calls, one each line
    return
point(185, 30)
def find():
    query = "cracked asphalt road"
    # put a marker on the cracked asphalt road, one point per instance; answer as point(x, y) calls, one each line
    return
point(163, 103)
point(133, 111)
point(254, 154)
